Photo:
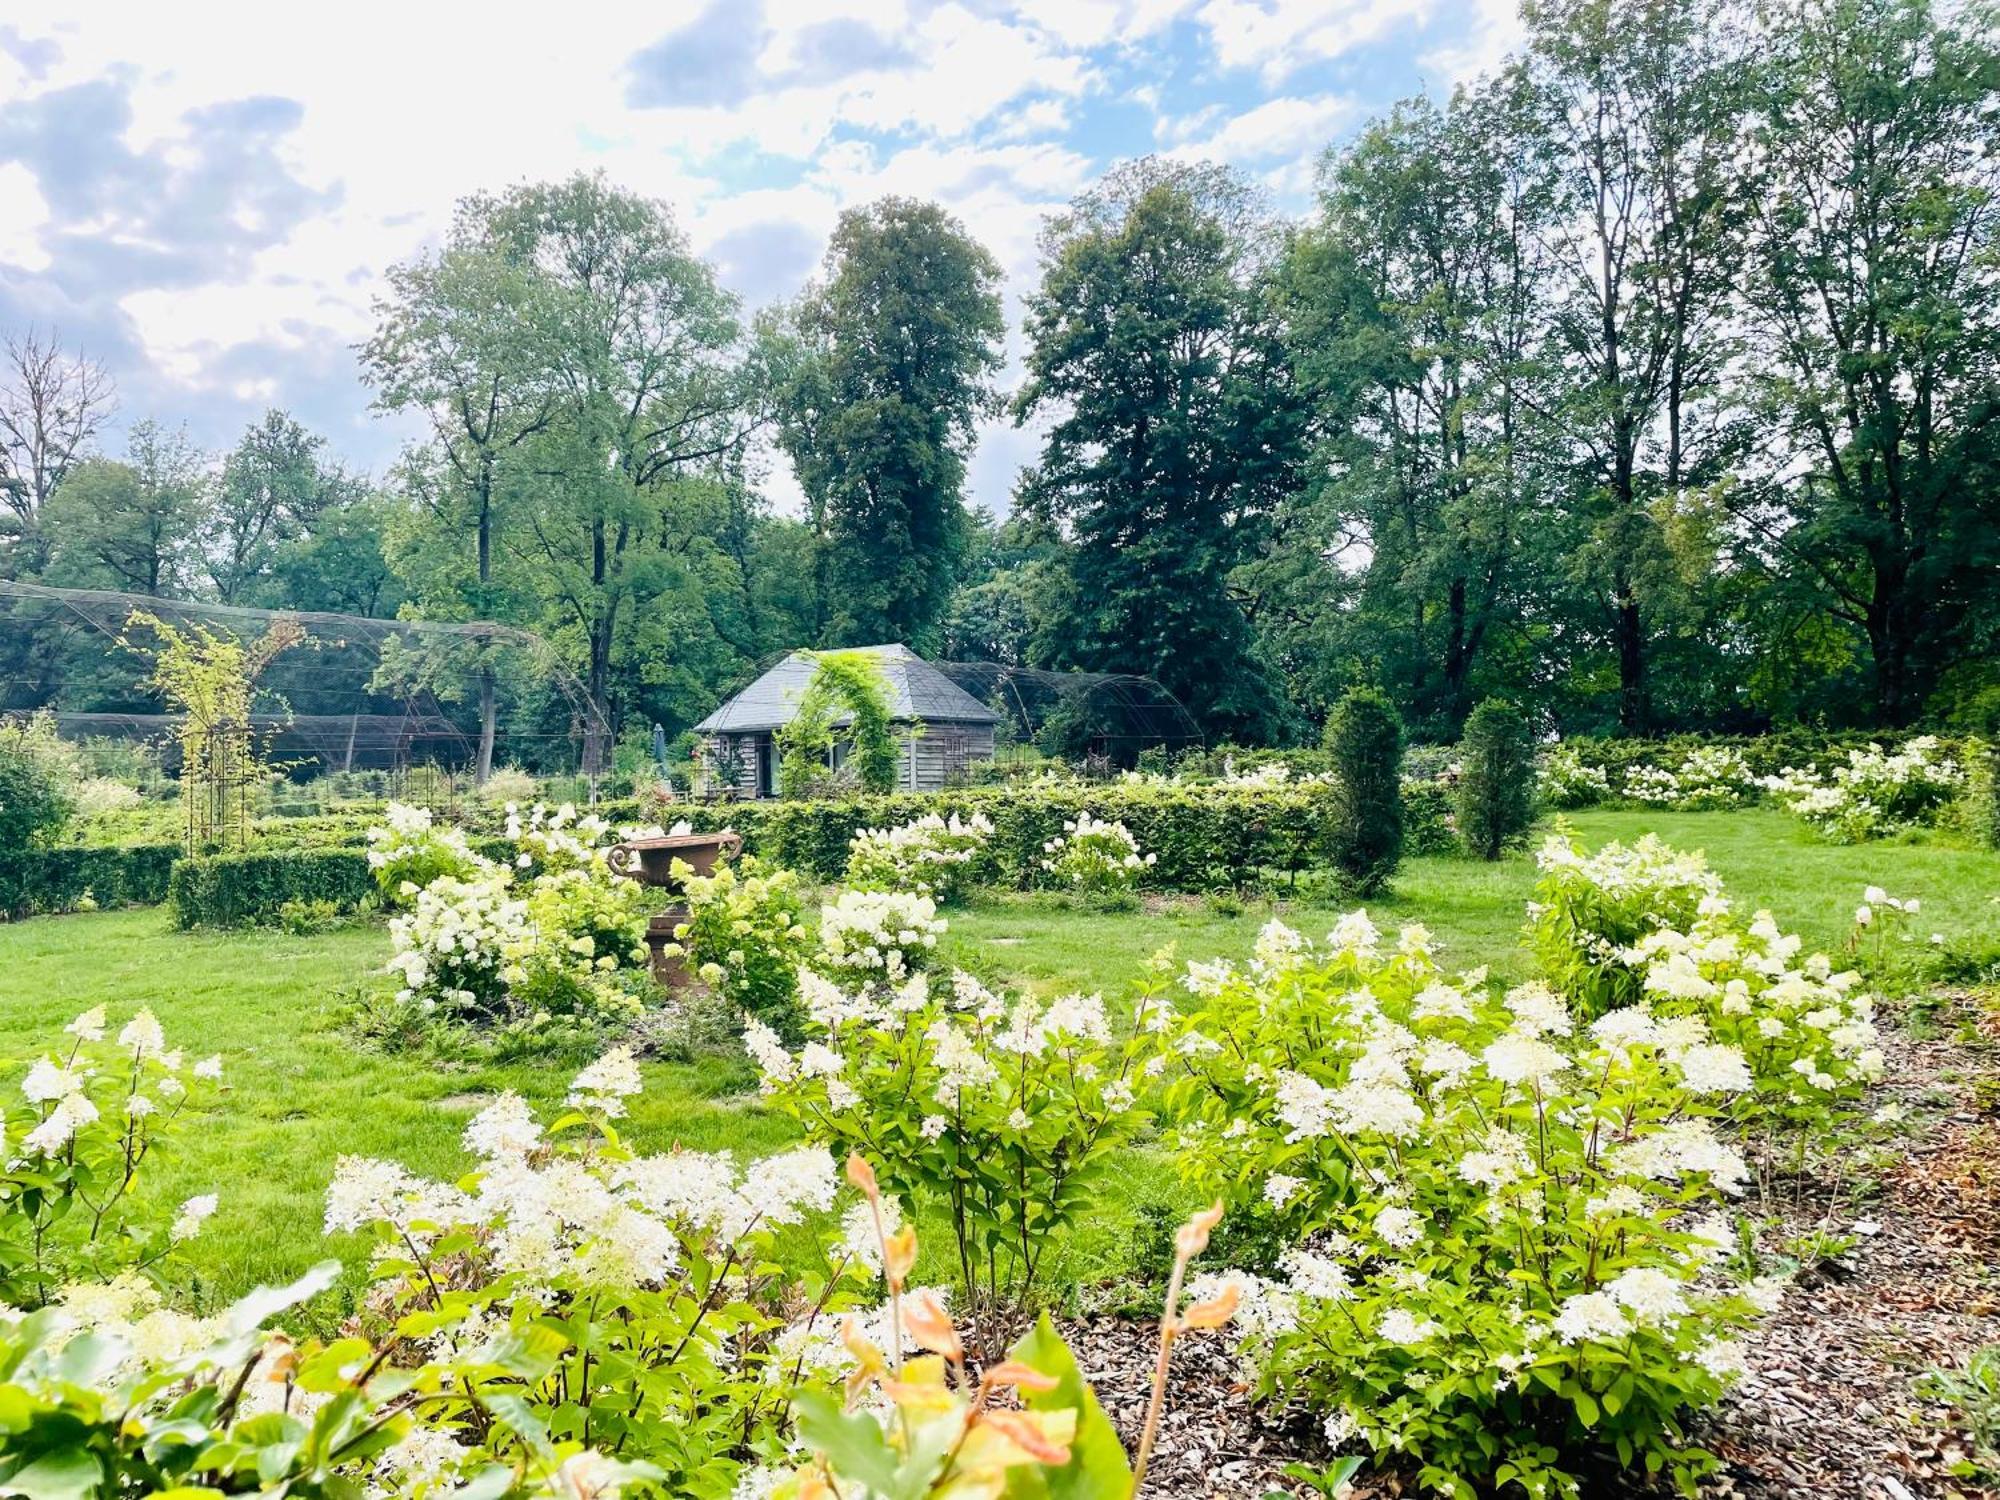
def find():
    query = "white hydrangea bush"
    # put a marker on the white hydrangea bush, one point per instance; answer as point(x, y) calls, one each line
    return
point(1095, 857)
point(1564, 779)
point(643, 1294)
point(1503, 1228)
point(409, 849)
point(933, 856)
point(456, 947)
point(1706, 778)
point(1591, 910)
point(547, 842)
point(557, 939)
point(94, 1113)
point(1002, 1114)
point(1872, 791)
point(1805, 1029)
point(869, 937)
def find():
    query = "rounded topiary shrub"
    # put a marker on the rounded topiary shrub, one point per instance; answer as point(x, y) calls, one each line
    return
point(1496, 784)
point(1364, 742)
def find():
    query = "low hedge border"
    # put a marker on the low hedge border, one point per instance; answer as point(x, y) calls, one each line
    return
point(239, 890)
point(1206, 837)
point(34, 881)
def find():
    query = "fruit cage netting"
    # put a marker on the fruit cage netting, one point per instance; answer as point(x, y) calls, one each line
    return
point(351, 693)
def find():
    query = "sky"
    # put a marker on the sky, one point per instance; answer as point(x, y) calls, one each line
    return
point(204, 196)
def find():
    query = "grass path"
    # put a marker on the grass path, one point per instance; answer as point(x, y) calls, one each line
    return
point(303, 1091)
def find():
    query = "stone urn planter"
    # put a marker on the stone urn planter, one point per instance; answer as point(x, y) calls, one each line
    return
point(650, 861)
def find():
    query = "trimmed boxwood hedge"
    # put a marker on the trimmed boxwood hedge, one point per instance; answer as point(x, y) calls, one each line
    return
point(236, 890)
point(53, 880)
point(1206, 837)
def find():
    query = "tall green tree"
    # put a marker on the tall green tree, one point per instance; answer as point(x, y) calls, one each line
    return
point(133, 526)
point(618, 495)
point(902, 340)
point(451, 342)
point(1413, 315)
point(1633, 110)
point(275, 485)
point(1174, 430)
point(1875, 300)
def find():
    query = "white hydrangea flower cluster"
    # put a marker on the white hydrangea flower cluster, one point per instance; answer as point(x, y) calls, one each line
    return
point(559, 840)
point(555, 1219)
point(454, 947)
point(1872, 791)
point(877, 936)
point(1707, 777)
point(931, 856)
point(1095, 857)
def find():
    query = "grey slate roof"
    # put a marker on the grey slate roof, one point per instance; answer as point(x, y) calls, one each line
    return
point(917, 691)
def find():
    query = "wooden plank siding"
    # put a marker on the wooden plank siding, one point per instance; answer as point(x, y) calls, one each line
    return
point(936, 757)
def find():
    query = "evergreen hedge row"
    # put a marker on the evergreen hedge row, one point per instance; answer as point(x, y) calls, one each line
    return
point(1206, 837)
point(238, 890)
point(53, 880)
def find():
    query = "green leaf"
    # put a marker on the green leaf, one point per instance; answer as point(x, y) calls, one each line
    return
point(66, 1474)
point(1097, 1466)
point(855, 1446)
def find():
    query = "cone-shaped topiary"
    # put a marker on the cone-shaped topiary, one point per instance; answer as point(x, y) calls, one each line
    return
point(1496, 786)
point(1364, 738)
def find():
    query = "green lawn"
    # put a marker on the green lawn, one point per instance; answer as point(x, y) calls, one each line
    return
point(302, 1090)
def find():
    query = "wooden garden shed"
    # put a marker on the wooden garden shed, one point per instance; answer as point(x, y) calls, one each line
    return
point(943, 729)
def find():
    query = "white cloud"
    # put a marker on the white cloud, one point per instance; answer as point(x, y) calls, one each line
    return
point(24, 218)
point(1279, 37)
point(1297, 129)
point(390, 111)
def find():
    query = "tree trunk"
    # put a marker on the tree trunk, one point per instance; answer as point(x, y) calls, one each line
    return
point(1633, 710)
point(1457, 656)
point(488, 716)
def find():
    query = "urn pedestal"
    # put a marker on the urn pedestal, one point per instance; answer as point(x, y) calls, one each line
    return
point(650, 861)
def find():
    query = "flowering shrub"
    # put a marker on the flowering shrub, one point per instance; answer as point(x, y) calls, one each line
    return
point(597, 921)
point(1095, 858)
point(1806, 1032)
point(1504, 1233)
point(1001, 1115)
point(97, 1112)
point(1707, 777)
point(454, 947)
point(877, 936)
point(1565, 780)
point(745, 938)
point(407, 851)
point(1873, 791)
point(549, 842)
point(636, 1298)
point(1590, 911)
point(933, 856)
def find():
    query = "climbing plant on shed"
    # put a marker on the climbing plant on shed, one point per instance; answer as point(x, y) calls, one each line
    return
point(841, 679)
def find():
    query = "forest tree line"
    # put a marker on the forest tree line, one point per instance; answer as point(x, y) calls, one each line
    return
point(1653, 382)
